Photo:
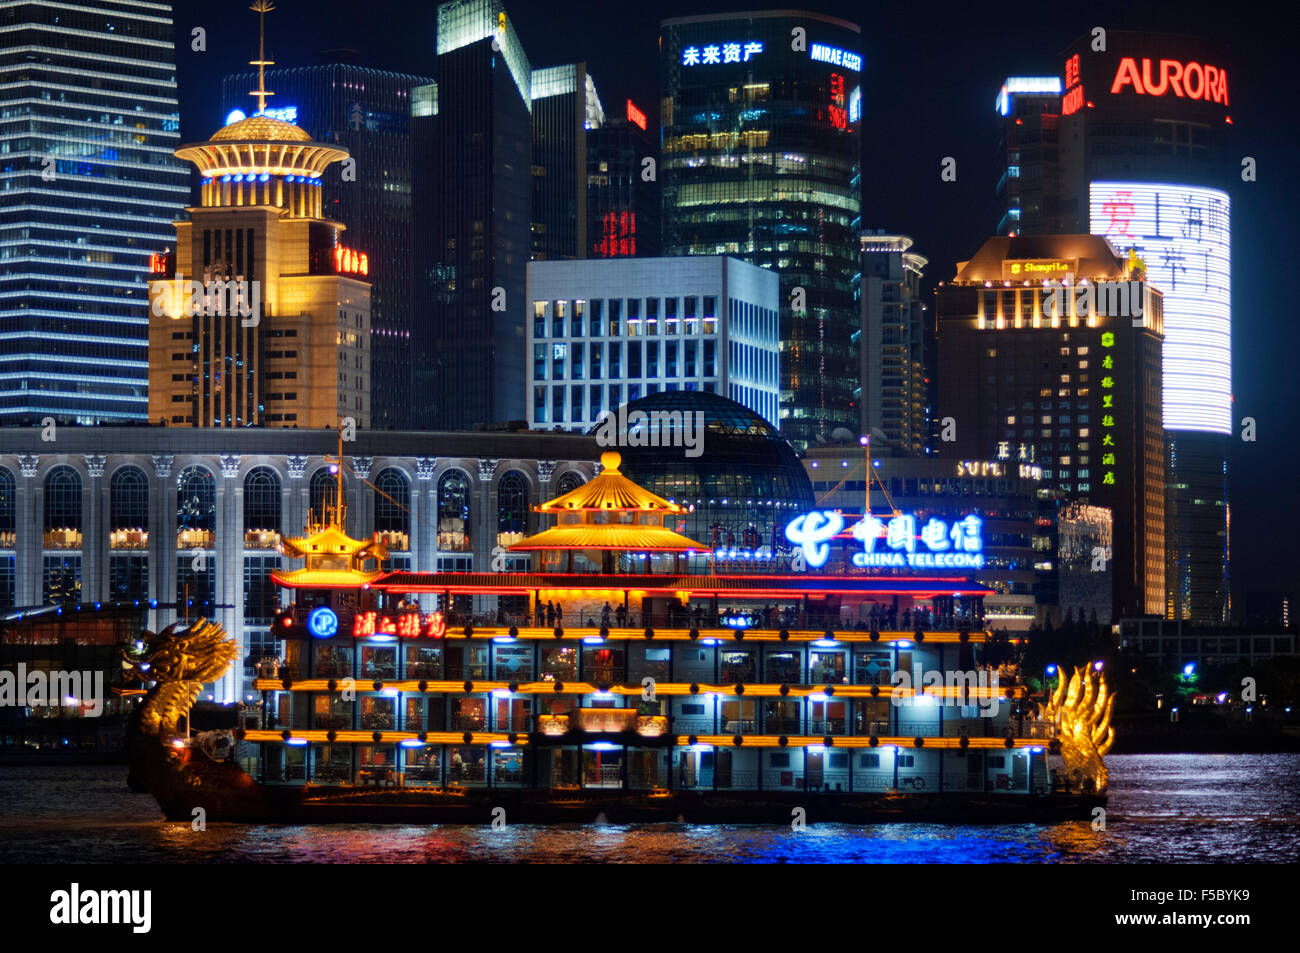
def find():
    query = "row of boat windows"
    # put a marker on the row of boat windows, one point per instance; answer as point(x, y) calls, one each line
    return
point(599, 664)
point(323, 712)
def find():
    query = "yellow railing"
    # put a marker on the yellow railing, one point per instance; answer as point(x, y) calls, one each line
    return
point(661, 688)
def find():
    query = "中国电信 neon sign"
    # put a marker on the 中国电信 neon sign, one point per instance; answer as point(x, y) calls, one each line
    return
point(904, 541)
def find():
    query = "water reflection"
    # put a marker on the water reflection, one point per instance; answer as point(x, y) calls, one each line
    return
point(1163, 808)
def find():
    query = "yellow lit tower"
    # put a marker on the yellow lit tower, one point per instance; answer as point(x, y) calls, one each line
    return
point(261, 317)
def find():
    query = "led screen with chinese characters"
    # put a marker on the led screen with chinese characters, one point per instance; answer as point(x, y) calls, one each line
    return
point(1182, 232)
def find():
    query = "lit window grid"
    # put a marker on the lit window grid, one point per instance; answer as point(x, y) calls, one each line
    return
point(1194, 273)
point(141, 203)
point(746, 363)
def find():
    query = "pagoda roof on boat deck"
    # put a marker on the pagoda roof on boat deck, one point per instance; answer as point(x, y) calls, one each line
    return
point(622, 537)
point(755, 585)
point(323, 578)
point(610, 491)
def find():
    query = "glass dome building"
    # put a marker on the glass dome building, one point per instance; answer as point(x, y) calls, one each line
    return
point(705, 451)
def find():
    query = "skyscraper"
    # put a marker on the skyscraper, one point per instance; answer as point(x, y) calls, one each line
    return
point(91, 188)
point(622, 200)
point(474, 148)
point(565, 107)
point(761, 160)
point(262, 315)
point(368, 113)
point(895, 347)
point(1049, 353)
point(1028, 189)
point(1144, 138)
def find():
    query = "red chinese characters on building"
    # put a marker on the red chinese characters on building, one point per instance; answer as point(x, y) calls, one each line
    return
point(1120, 211)
point(349, 261)
point(618, 236)
point(635, 115)
point(838, 114)
point(1072, 99)
point(1072, 71)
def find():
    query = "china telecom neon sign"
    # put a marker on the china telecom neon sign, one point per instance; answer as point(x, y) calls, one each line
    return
point(1186, 81)
point(936, 544)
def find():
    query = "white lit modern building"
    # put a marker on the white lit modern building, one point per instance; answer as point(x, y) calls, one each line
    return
point(91, 189)
point(607, 331)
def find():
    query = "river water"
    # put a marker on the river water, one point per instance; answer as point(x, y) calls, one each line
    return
point(1164, 808)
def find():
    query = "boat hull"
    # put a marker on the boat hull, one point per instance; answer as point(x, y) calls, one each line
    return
point(183, 780)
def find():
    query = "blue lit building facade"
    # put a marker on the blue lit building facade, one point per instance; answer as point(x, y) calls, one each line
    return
point(761, 150)
point(89, 121)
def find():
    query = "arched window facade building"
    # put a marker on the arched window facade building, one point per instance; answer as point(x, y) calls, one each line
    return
point(454, 525)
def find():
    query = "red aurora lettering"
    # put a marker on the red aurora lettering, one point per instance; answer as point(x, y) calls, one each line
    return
point(1189, 81)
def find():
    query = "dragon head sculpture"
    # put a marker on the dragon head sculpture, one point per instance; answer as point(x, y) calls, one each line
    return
point(181, 661)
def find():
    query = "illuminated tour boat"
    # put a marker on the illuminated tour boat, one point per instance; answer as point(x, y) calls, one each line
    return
point(624, 675)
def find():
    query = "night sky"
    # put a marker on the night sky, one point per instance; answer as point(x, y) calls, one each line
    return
point(930, 75)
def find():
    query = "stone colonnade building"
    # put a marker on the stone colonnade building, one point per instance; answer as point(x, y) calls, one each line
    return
point(166, 515)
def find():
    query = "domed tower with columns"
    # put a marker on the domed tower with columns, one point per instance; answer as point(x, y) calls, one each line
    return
point(261, 315)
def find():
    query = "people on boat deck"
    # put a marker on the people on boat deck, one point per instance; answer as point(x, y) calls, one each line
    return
point(605, 614)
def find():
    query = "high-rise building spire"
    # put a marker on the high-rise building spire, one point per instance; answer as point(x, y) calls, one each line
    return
point(261, 8)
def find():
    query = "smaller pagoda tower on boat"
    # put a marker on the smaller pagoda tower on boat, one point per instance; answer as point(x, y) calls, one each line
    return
point(332, 558)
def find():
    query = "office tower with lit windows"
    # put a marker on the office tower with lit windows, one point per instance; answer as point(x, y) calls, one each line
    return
point(1029, 115)
point(1145, 132)
point(894, 347)
point(474, 193)
point(565, 107)
point(368, 113)
point(261, 317)
point(1049, 353)
point(761, 157)
point(91, 188)
point(605, 332)
point(622, 201)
